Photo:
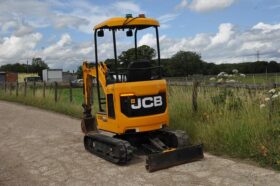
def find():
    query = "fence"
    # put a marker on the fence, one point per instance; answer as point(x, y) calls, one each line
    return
point(237, 85)
point(54, 91)
point(67, 92)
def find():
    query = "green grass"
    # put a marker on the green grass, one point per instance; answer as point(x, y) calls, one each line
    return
point(243, 130)
point(259, 79)
point(228, 122)
point(62, 106)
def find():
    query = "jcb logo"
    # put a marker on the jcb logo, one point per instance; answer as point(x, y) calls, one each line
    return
point(146, 102)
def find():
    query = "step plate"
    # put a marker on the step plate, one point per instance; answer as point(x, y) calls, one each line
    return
point(179, 156)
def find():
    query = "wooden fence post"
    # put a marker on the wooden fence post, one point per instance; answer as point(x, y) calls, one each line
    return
point(25, 87)
point(270, 110)
point(17, 89)
point(5, 86)
point(34, 84)
point(44, 89)
point(194, 95)
point(70, 92)
point(92, 90)
point(55, 91)
point(11, 84)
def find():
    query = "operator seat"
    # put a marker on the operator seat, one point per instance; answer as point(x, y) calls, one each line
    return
point(139, 71)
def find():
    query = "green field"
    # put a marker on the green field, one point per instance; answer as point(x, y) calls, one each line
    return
point(258, 79)
point(228, 121)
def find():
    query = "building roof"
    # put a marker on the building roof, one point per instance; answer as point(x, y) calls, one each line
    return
point(53, 69)
point(123, 22)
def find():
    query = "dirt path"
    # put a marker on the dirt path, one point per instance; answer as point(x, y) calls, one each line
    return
point(44, 148)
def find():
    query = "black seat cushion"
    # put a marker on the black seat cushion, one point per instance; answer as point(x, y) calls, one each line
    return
point(139, 71)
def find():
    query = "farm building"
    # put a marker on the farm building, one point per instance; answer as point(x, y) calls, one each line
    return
point(11, 77)
point(52, 75)
point(22, 76)
point(2, 77)
point(68, 76)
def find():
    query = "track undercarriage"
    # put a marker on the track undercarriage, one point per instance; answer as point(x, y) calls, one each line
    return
point(164, 148)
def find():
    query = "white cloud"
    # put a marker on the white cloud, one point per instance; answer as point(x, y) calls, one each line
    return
point(205, 5)
point(60, 45)
point(224, 34)
point(266, 27)
point(127, 6)
point(14, 48)
point(165, 19)
point(147, 39)
point(19, 20)
point(182, 4)
point(254, 45)
point(227, 45)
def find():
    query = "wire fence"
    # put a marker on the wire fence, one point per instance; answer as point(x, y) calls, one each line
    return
point(69, 92)
point(53, 91)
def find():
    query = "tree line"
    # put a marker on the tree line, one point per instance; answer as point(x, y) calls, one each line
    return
point(36, 66)
point(183, 63)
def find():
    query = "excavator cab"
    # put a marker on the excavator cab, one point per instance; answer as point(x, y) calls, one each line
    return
point(132, 104)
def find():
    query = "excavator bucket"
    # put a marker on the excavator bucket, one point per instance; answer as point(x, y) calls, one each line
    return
point(171, 158)
point(88, 125)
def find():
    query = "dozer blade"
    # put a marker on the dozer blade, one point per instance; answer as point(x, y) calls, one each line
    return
point(178, 156)
point(88, 125)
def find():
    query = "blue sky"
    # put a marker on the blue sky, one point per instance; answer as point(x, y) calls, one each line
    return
point(60, 32)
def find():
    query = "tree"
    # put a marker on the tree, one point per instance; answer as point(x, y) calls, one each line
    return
point(110, 63)
point(186, 63)
point(143, 52)
point(273, 66)
point(80, 72)
point(17, 67)
point(38, 65)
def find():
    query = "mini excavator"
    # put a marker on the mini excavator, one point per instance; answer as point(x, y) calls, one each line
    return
point(132, 105)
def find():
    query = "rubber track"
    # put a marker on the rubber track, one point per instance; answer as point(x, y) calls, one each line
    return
point(111, 149)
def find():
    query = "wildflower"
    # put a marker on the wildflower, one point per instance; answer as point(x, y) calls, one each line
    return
point(206, 116)
point(262, 106)
point(212, 79)
point(225, 75)
point(230, 75)
point(272, 91)
point(221, 74)
point(242, 75)
point(274, 96)
point(235, 71)
point(231, 81)
point(264, 150)
point(267, 99)
point(220, 80)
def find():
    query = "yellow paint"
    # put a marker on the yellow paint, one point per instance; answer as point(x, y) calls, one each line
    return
point(21, 76)
point(125, 95)
point(169, 150)
point(123, 22)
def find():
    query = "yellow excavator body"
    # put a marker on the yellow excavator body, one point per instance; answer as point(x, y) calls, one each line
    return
point(132, 105)
point(120, 122)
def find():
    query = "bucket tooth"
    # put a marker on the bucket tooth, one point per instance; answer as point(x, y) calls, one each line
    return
point(171, 158)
